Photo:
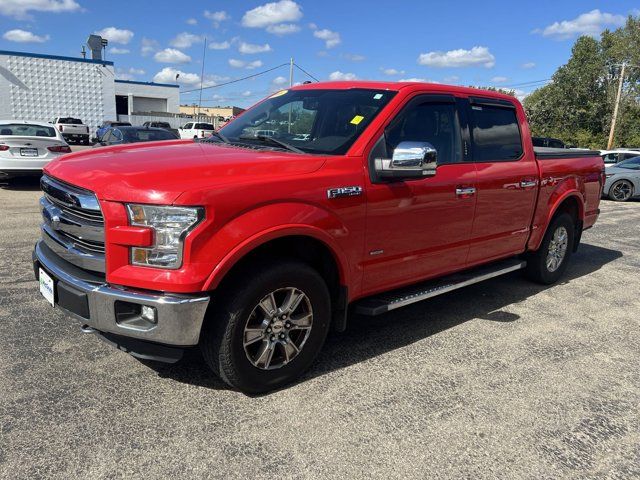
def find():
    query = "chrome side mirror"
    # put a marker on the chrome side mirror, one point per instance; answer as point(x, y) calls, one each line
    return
point(409, 160)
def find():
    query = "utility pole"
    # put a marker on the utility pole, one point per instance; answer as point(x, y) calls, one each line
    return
point(615, 109)
point(290, 85)
point(204, 52)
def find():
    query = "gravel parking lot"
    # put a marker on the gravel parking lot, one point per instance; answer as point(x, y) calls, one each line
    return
point(504, 379)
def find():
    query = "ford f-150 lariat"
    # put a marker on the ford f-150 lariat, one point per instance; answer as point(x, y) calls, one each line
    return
point(365, 197)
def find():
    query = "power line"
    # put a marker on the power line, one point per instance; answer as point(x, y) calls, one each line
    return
point(526, 84)
point(305, 72)
point(237, 79)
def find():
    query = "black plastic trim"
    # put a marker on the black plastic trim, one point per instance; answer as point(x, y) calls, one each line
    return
point(544, 153)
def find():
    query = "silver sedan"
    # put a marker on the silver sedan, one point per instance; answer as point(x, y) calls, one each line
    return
point(623, 180)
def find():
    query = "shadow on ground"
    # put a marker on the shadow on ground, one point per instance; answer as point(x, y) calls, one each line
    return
point(24, 184)
point(368, 337)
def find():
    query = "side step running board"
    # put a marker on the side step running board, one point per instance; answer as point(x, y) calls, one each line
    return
point(385, 302)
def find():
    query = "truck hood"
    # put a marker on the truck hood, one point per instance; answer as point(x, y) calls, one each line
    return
point(159, 172)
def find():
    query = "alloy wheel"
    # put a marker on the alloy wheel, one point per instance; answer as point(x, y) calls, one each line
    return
point(557, 248)
point(621, 190)
point(277, 328)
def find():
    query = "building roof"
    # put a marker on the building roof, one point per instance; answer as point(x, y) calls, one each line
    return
point(54, 57)
point(152, 84)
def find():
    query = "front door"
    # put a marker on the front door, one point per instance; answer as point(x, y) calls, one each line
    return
point(420, 228)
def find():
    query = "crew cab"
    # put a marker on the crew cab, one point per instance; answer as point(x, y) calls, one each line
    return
point(369, 196)
point(72, 129)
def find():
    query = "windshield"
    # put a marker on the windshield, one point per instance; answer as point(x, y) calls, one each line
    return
point(631, 163)
point(70, 121)
point(314, 121)
point(26, 130)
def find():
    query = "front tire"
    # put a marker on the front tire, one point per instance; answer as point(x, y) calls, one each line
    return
point(549, 262)
point(269, 326)
point(621, 191)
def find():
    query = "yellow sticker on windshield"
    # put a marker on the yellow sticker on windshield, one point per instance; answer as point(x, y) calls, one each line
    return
point(277, 94)
point(357, 119)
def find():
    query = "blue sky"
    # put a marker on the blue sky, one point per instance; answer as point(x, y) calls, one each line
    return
point(491, 42)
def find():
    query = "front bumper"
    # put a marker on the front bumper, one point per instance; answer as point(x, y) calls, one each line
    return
point(88, 298)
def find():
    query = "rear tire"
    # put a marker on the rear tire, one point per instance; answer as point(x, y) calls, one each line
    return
point(255, 351)
point(549, 262)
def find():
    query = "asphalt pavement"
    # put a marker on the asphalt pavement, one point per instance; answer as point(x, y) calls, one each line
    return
point(503, 379)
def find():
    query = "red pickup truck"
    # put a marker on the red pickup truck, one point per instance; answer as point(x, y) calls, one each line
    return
point(364, 197)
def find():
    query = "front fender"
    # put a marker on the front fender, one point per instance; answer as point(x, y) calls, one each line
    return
point(248, 231)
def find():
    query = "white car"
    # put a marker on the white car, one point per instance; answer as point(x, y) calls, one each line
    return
point(196, 130)
point(611, 157)
point(26, 147)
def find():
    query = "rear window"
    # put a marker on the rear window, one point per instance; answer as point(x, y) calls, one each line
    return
point(70, 121)
point(148, 135)
point(26, 130)
point(203, 126)
point(496, 134)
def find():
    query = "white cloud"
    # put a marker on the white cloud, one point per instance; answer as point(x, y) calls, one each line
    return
point(216, 17)
point(338, 75)
point(220, 45)
point(129, 74)
point(168, 75)
point(499, 79)
point(477, 56)
point(528, 65)
point(242, 64)
point(280, 81)
point(171, 55)
point(392, 71)
point(251, 48)
point(331, 39)
point(116, 35)
point(354, 57)
point(413, 79)
point(119, 51)
point(590, 23)
point(23, 36)
point(185, 40)
point(191, 21)
point(272, 13)
point(247, 93)
point(451, 79)
point(283, 28)
point(136, 71)
point(148, 46)
point(20, 8)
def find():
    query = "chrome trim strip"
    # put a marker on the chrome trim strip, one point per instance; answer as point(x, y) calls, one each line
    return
point(69, 195)
point(67, 251)
point(180, 317)
point(56, 219)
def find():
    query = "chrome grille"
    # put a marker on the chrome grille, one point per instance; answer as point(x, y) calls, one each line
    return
point(73, 225)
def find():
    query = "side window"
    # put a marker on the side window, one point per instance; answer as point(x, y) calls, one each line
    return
point(116, 135)
point(495, 133)
point(106, 137)
point(188, 126)
point(435, 123)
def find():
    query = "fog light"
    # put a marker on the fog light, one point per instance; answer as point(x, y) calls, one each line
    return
point(149, 314)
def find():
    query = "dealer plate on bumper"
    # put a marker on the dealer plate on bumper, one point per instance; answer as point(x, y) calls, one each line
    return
point(46, 287)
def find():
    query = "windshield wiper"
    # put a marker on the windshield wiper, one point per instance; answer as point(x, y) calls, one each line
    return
point(219, 136)
point(274, 141)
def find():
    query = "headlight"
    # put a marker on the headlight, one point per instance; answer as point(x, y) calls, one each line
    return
point(171, 225)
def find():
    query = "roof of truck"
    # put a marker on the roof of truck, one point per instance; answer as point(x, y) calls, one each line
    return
point(397, 86)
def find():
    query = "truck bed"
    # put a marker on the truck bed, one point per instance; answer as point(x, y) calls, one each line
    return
point(543, 153)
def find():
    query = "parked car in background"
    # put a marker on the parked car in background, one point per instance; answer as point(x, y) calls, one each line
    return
point(623, 180)
point(26, 147)
point(72, 129)
point(611, 157)
point(102, 129)
point(164, 125)
point(196, 130)
point(547, 142)
point(254, 247)
point(127, 134)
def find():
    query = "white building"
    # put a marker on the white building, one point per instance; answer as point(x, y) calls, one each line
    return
point(42, 87)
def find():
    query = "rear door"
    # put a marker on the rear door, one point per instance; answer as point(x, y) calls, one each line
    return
point(507, 180)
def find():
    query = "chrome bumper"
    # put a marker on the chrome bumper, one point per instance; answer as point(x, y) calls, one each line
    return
point(179, 317)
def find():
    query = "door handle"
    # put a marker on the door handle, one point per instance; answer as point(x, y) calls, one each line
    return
point(465, 192)
point(528, 183)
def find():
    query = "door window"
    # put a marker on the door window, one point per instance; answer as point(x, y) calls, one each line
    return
point(435, 123)
point(187, 126)
point(496, 134)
